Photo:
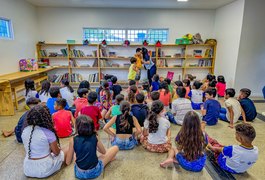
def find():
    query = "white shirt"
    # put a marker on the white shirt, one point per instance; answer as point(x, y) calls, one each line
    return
point(31, 93)
point(232, 102)
point(66, 94)
point(196, 95)
point(239, 158)
point(160, 137)
point(44, 97)
point(181, 106)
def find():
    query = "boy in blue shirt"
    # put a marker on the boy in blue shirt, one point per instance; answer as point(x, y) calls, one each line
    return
point(211, 108)
point(140, 110)
point(247, 105)
point(155, 84)
point(55, 94)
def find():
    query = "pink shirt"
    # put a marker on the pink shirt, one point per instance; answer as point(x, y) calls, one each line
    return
point(220, 88)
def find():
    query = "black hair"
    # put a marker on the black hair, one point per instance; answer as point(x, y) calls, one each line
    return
point(85, 126)
point(29, 85)
point(132, 82)
point(114, 79)
point(84, 84)
point(146, 86)
point(157, 107)
point(54, 91)
point(186, 81)
point(191, 77)
point(211, 91)
point(156, 77)
point(119, 98)
point(138, 49)
point(212, 84)
point(82, 91)
point(32, 101)
point(92, 97)
point(45, 87)
point(66, 83)
point(164, 85)
point(61, 102)
point(247, 131)
point(155, 95)
point(246, 92)
point(131, 94)
point(40, 116)
point(146, 55)
point(197, 84)
point(133, 60)
point(181, 92)
point(125, 109)
point(168, 81)
point(106, 89)
point(221, 79)
point(178, 83)
point(140, 98)
point(231, 92)
point(209, 77)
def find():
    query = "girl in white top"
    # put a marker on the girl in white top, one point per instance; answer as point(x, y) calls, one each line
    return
point(67, 92)
point(43, 154)
point(156, 133)
point(30, 89)
point(44, 94)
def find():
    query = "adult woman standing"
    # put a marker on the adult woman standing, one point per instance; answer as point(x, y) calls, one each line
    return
point(149, 65)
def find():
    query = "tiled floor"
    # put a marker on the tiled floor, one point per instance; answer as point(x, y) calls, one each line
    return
point(134, 164)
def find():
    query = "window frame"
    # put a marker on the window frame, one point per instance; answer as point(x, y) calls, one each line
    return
point(10, 29)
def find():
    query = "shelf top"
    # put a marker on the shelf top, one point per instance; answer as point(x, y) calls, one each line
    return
point(64, 57)
point(197, 67)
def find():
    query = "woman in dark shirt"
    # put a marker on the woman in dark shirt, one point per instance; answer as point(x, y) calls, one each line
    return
point(124, 137)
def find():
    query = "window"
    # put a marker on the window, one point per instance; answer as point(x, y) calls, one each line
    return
point(6, 31)
point(119, 35)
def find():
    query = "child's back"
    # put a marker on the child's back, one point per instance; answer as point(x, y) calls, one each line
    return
point(249, 108)
point(212, 108)
point(62, 123)
point(180, 107)
point(79, 104)
point(140, 111)
point(232, 102)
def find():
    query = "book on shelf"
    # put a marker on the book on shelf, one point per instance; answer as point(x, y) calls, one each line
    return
point(75, 77)
point(57, 78)
point(64, 52)
point(105, 63)
point(197, 53)
point(103, 52)
point(204, 63)
point(208, 53)
point(43, 53)
point(93, 77)
point(77, 53)
point(162, 63)
point(73, 63)
point(95, 64)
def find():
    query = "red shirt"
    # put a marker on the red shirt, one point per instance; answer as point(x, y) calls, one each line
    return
point(62, 123)
point(220, 88)
point(94, 113)
point(164, 98)
point(79, 104)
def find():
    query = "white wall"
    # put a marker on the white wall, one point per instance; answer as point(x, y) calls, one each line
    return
point(228, 24)
point(60, 24)
point(250, 71)
point(24, 19)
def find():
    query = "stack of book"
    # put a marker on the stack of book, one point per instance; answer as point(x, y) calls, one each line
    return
point(64, 52)
point(43, 53)
point(77, 53)
point(75, 77)
point(204, 63)
point(58, 78)
point(105, 63)
point(93, 77)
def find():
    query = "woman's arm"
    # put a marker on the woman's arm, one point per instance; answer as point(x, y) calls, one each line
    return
point(108, 125)
point(100, 147)
point(137, 126)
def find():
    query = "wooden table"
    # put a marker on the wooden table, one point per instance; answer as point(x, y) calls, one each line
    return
point(7, 81)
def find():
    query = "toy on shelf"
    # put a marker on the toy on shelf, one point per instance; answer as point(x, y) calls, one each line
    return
point(197, 39)
point(27, 65)
point(145, 43)
point(158, 44)
point(126, 43)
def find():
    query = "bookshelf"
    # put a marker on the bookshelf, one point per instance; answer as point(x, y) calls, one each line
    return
point(89, 62)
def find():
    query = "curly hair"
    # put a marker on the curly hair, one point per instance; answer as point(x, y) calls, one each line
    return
point(125, 109)
point(131, 94)
point(157, 107)
point(190, 139)
point(40, 116)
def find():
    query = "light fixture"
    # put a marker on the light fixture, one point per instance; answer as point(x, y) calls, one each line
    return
point(183, 0)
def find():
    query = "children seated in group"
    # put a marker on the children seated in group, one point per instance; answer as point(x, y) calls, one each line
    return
point(206, 82)
point(132, 94)
point(211, 107)
point(196, 96)
point(43, 156)
point(181, 106)
point(165, 95)
point(55, 94)
point(80, 102)
point(67, 92)
point(232, 110)
point(85, 146)
point(63, 119)
point(186, 85)
point(133, 69)
point(124, 137)
point(156, 134)
point(116, 88)
point(237, 158)
point(91, 110)
point(155, 95)
point(31, 102)
point(30, 90)
point(191, 144)
point(221, 86)
point(44, 94)
point(139, 109)
point(155, 83)
point(247, 105)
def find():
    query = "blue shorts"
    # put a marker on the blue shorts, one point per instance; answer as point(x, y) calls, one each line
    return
point(124, 144)
point(90, 173)
point(222, 163)
point(195, 166)
point(196, 106)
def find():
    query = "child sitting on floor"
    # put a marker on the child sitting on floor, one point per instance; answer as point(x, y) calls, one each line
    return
point(80, 102)
point(146, 90)
point(165, 96)
point(191, 144)
point(176, 85)
point(31, 102)
point(156, 133)
point(247, 105)
point(211, 107)
point(44, 94)
point(186, 85)
point(124, 137)
point(67, 92)
point(196, 96)
point(232, 110)
point(140, 110)
point(155, 83)
point(154, 97)
point(170, 87)
point(132, 94)
point(116, 88)
point(85, 146)
point(237, 158)
point(91, 110)
point(221, 86)
point(30, 89)
point(63, 120)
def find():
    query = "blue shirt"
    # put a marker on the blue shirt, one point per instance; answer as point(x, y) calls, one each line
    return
point(19, 127)
point(212, 108)
point(140, 111)
point(155, 86)
point(249, 108)
point(50, 104)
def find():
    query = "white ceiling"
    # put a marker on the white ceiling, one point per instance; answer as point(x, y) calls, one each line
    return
point(161, 4)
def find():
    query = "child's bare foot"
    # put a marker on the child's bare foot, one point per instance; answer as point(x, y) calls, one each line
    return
point(7, 133)
point(167, 163)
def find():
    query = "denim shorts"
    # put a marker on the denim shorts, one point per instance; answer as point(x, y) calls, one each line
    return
point(194, 166)
point(124, 144)
point(90, 173)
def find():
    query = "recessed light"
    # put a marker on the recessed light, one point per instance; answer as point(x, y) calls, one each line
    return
point(183, 0)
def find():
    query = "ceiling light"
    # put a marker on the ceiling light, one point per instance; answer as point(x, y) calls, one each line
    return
point(183, 0)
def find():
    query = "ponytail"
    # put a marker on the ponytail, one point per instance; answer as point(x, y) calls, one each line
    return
point(125, 109)
point(131, 95)
point(156, 109)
